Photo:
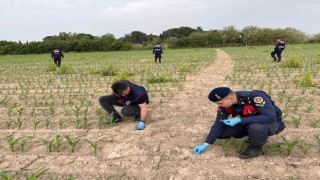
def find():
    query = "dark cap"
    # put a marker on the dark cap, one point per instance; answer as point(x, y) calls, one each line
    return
point(218, 93)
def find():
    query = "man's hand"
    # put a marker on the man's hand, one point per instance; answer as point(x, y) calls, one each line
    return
point(232, 121)
point(140, 125)
point(198, 149)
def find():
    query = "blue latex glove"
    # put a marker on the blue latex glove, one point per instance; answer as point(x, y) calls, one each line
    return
point(198, 149)
point(140, 125)
point(232, 121)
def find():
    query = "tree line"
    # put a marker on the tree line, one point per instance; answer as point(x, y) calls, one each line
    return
point(182, 37)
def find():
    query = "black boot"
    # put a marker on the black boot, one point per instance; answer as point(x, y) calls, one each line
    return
point(251, 151)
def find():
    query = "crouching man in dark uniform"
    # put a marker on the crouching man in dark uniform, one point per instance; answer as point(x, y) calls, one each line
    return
point(132, 98)
point(253, 113)
point(56, 55)
point(157, 51)
point(280, 46)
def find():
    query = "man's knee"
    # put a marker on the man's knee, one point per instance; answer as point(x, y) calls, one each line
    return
point(130, 110)
point(257, 129)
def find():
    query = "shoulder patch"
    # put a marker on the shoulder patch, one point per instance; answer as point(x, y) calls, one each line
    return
point(258, 100)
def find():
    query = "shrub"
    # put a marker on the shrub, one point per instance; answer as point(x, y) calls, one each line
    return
point(51, 67)
point(123, 75)
point(65, 69)
point(292, 62)
point(185, 68)
point(306, 80)
point(109, 71)
point(160, 79)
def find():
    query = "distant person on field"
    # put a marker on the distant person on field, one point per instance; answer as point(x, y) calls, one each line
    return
point(132, 98)
point(280, 46)
point(249, 113)
point(157, 51)
point(57, 55)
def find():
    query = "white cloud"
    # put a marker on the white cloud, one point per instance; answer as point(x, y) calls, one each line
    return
point(32, 20)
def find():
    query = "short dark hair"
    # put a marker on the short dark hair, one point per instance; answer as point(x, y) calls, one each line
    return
point(118, 88)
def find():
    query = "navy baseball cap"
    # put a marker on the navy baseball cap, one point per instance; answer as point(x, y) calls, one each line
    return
point(218, 93)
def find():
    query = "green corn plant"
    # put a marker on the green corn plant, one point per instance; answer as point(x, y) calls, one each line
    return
point(20, 111)
point(44, 111)
point(9, 111)
point(102, 121)
point(309, 108)
point(94, 145)
point(306, 147)
point(76, 110)
point(19, 122)
point(58, 142)
point(52, 110)
point(82, 101)
point(36, 175)
point(315, 122)
point(12, 141)
point(48, 143)
point(24, 143)
point(85, 123)
point(72, 142)
point(8, 123)
point(296, 121)
point(6, 176)
point(240, 143)
point(77, 122)
point(296, 106)
point(98, 111)
point(33, 111)
point(71, 177)
point(47, 121)
point(111, 119)
point(290, 145)
point(35, 123)
point(4, 101)
point(226, 147)
point(61, 123)
point(318, 140)
point(273, 148)
point(86, 111)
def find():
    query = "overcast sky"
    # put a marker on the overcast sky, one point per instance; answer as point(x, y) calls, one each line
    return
point(32, 20)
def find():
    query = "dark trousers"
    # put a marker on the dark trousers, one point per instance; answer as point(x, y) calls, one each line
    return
point(278, 53)
point(107, 103)
point(57, 62)
point(258, 133)
point(157, 56)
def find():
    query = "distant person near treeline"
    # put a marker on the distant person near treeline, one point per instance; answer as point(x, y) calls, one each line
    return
point(280, 46)
point(57, 55)
point(157, 51)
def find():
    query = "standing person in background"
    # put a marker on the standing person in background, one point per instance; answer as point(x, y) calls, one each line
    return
point(57, 55)
point(157, 51)
point(280, 46)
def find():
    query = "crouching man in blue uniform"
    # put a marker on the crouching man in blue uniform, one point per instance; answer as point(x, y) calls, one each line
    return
point(280, 46)
point(132, 98)
point(253, 114)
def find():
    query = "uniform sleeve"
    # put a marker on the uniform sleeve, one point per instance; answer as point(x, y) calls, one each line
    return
point(218, 126)
point(265, 109)
point(143, 99)
point(61, 54)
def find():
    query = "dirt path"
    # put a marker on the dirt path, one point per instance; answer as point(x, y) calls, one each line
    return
point(164, 149)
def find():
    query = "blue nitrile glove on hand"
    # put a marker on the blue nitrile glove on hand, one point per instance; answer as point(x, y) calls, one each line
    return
point(140, 125)
point(232, 121)
point(198, 149)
